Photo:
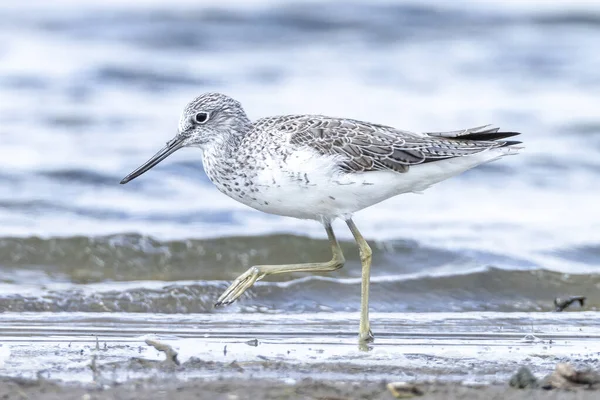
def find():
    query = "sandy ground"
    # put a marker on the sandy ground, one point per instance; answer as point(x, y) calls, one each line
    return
point(228, 389)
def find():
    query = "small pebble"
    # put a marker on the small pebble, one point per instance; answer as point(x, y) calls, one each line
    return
point(403, 390)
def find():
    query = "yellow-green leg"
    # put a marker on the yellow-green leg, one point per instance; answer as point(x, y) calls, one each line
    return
point(258, 272)
point(364, 331)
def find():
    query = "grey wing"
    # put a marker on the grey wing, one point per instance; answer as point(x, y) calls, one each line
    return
point(363, 146)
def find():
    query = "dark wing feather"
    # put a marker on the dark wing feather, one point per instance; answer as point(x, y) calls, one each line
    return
point(362, 146)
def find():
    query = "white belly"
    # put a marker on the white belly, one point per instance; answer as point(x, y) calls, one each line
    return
point(316, 190)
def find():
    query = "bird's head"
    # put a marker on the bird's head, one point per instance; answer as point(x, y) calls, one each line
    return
point(211, 119)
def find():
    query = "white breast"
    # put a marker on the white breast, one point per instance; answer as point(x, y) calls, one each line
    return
point(309, 186)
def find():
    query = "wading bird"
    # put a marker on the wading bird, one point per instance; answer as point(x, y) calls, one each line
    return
point(320, 168)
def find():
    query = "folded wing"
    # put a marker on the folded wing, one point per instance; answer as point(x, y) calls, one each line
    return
point(361, 146)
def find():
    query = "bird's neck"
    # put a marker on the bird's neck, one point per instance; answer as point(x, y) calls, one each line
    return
point(230, 137)
point(219, 154)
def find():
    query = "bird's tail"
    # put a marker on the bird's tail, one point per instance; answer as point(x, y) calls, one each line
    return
point(484, 133)
point(487, 133)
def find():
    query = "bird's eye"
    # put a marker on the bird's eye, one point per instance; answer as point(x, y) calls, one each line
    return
point(201, 117)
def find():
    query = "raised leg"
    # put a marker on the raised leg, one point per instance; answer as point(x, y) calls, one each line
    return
point(364, 331)
point(258, 272)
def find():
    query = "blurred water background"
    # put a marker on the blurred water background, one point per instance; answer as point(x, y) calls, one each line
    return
point(90, 90)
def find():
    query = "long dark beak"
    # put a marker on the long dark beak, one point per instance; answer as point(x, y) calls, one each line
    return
point(171, 147)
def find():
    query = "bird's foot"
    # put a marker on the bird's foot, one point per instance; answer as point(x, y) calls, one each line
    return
point(366, 337)
point(238, 287)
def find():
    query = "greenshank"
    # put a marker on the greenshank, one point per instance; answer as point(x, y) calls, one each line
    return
point(320, 168)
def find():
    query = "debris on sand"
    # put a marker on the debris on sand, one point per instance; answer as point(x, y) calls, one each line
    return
point(562, 304)
point(236, 366)
point(529, 338)
point(523, 379)
point(165, 348)
point(403, 390)
point(565, 376)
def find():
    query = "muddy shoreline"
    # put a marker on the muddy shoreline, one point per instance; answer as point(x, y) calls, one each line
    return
point(240, 389)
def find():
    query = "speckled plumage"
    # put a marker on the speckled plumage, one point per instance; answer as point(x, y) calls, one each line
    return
point(297, 165)
point(319, 167)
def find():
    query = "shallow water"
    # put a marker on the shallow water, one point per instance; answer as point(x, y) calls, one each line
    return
point(468, 348)
point(88, 92)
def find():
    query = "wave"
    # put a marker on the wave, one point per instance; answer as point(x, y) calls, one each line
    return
point(491, 289)
point(132, 257)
